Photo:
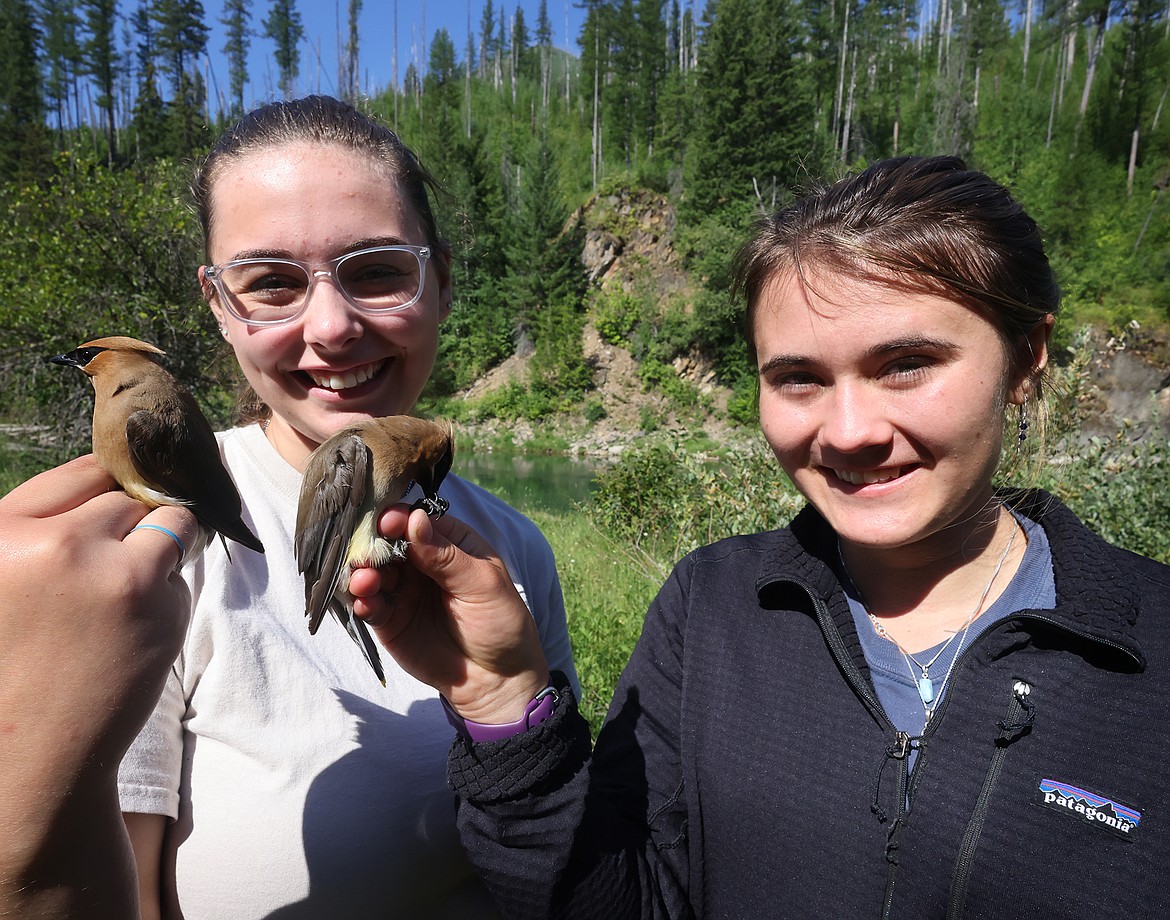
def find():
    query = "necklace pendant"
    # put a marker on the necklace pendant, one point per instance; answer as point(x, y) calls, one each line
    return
point(926, 690)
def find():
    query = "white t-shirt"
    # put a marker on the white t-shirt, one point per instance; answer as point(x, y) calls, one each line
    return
point(300, 786)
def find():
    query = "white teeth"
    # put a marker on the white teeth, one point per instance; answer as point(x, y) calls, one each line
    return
point(868, 478)
point(346, 381)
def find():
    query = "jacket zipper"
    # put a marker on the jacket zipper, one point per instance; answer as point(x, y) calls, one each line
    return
point(903, 740)
point(962, 876)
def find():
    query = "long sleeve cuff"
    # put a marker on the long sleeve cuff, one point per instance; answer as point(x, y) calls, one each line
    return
point(544, 756)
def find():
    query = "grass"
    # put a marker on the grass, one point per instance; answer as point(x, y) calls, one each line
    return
point(606, 592)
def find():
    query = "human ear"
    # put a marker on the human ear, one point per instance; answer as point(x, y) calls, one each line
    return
point(209, 295)
point(1032, 358)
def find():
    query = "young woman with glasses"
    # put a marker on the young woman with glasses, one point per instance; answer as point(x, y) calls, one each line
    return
point(927, 697)
point(277, 777)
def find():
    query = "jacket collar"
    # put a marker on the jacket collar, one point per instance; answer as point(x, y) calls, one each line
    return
point(1096, 600)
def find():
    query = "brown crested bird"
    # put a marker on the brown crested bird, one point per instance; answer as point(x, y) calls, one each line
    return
point(150, 435)
point(349, 481)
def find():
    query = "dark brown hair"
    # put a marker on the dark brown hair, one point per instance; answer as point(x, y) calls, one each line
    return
point(921, 224)
point(317, 120)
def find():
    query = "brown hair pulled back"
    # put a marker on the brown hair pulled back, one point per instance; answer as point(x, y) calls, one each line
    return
point(921, 224)
point(317, 120)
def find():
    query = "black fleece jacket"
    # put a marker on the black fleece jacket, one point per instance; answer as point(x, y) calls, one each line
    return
point(747, 770)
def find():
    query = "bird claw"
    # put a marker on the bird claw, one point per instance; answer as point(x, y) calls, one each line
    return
point(434, 507)
point(398, 550)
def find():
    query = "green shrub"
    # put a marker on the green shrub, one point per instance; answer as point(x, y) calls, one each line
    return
point(594, 409)
point(615, 314)
point(663, 500)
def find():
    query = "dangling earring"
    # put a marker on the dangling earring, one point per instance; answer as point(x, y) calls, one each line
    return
point(1022, 426)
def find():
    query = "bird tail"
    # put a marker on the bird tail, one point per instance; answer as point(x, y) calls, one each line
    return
point(360, 633)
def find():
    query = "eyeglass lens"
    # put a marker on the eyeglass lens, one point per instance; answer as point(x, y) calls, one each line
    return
point(264, 290)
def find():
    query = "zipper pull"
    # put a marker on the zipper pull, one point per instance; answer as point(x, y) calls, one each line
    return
point(1020, 716)
point(901, 748)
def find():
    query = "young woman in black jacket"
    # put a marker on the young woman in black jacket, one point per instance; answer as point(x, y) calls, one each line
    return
point(927, 697)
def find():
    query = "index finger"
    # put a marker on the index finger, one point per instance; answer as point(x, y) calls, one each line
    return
point(175, 532)
point(58, 490)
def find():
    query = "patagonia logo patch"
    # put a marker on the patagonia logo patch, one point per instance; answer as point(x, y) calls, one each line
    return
point(1089, 806)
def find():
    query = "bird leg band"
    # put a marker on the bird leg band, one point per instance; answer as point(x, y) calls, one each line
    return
point(434, 507)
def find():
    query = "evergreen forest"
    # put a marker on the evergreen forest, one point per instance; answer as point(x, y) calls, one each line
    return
point(718, 114)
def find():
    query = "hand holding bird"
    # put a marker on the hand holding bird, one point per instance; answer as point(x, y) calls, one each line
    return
point(453, 618)
point(349, 481)
point(151, 436)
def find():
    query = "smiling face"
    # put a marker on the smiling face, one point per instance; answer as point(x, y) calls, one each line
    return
point(332, 365)
point(885, 408)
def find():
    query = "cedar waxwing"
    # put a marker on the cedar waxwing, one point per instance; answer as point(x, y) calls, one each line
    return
point(150, 435)
point(349, 481)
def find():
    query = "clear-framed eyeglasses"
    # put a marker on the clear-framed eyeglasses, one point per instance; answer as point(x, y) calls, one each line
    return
point(266, 292)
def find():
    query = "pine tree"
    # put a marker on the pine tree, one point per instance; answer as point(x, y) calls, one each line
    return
point(651, 70)
point(23, 139)
point(755, 124)
point(594, 41)
point(441, 89)
point(350, 82)
point(100, 60)
point(283, 26)
point(487, 49)
point(62, 59)
point(148, 118)
point(236, 21)
point(544, 33)
point(181, 40)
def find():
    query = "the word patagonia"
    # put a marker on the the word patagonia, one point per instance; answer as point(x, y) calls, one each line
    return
point(1095, 809)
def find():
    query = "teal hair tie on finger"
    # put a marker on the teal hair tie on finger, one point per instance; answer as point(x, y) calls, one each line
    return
point(171, 534)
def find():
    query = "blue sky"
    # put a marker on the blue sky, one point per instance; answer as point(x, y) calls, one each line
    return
point(323, 20)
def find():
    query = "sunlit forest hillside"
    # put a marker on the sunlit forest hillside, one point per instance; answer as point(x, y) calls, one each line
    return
point(719, 113)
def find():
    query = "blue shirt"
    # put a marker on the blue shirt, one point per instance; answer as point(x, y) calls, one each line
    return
point(1031, 588)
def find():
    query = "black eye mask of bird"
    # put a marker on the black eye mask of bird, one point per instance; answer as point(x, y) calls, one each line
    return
point(150, 435)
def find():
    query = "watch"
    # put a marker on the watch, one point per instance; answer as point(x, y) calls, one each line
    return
point(539, 709)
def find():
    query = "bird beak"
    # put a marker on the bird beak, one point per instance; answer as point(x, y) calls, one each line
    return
point(69, 359)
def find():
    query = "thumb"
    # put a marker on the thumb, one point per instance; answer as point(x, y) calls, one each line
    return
point(453, 555)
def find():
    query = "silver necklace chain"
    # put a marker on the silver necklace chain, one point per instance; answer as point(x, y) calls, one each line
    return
point(924, 683)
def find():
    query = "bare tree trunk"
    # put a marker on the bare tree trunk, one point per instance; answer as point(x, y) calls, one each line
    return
point(1149, 214)
point(1158, 110)
point(1027, 34)
point(1133, 151)
point(849, 106)
point(394, 76)
point(467, 72)
point(596, 93)
point(841, 76)
point(1094, 53)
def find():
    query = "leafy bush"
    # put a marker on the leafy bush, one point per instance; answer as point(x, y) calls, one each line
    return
point(88, 252)
point(664, 500)
point(615, 314)
point(594, 409)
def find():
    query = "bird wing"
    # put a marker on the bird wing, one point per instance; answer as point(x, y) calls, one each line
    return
point(332, 495)
point(174, 450)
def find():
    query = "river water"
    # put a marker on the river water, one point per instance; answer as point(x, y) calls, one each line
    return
point(531, 483)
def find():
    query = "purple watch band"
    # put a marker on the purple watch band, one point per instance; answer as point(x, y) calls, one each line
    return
point(538, 710)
